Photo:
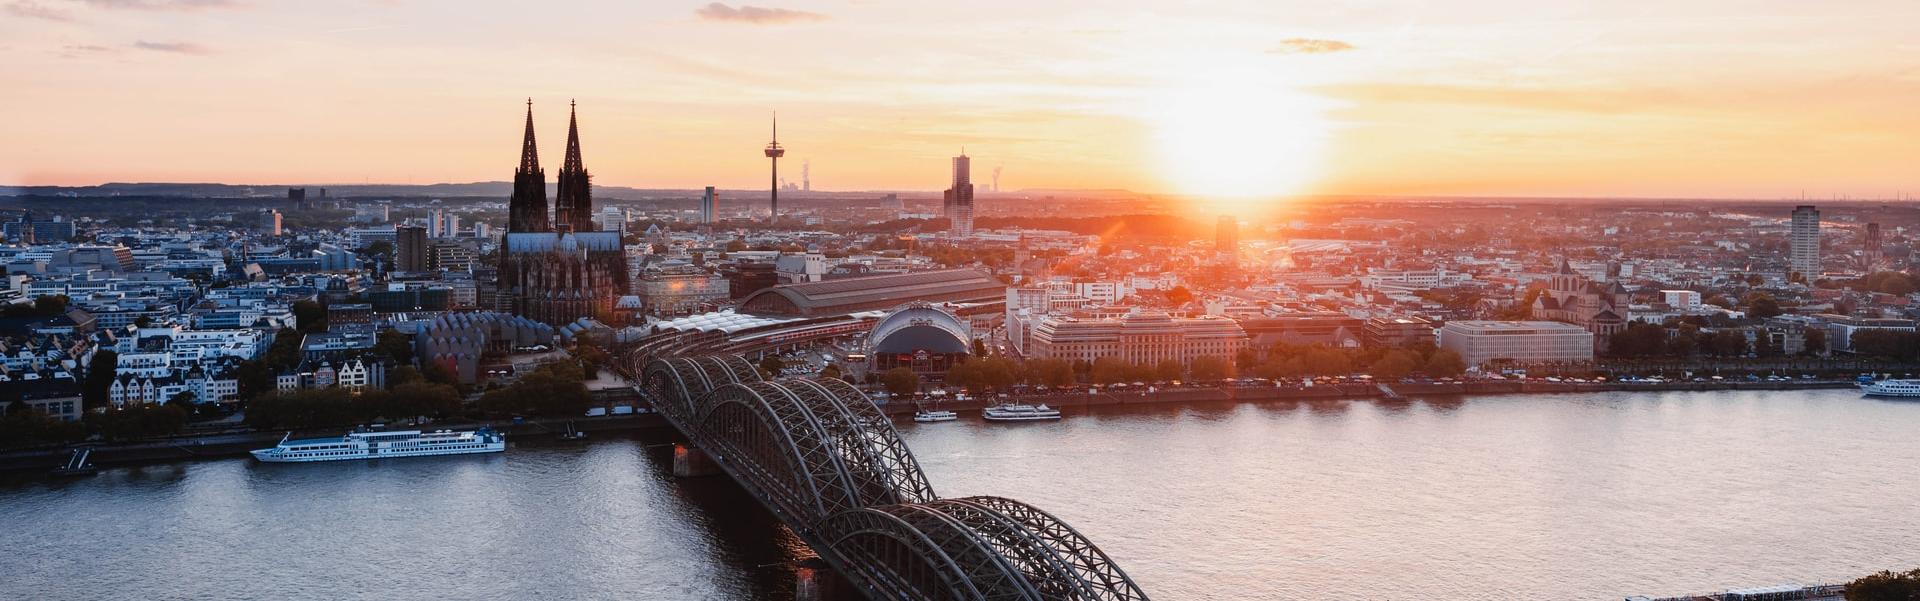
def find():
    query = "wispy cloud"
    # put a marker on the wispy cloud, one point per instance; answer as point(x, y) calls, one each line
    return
point(179, 5)
point(1310, 46)
point(755, 14)
point(35, 10)
point(86, 50)
point(174, 47)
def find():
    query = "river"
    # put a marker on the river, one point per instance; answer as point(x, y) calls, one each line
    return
point(1573, 496)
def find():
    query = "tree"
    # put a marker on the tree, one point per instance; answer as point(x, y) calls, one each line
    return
point(101, 372)
point(309, 316)
point(736, 245)
point(1721, 301)
point(1640, 339)
point(979, 347)
point(51, 304)
point(1885, 586)
point(900, 381)
point(1328, 362)
point(1179, 295)
point(1761, 305)
point(1728, 343)
point(25, 426)
point(1210, 368)
point(1816, 341)
point(1168, 370)
point(1395, 364)
point(1111, 370)
point(831, 371)
point(1444, 363)
point(1049, 372)
point(381, 248)
point(396, 346)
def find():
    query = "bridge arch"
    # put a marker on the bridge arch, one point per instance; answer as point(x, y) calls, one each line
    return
point(814, 448)
point(676, 385)
point(1001, 548)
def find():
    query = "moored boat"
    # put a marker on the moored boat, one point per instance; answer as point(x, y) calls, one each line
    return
point(1892, 388)
point(374, 445)
point(938, 415)
point(1021, 412)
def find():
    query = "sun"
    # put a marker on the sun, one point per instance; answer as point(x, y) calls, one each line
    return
point(1239, 135)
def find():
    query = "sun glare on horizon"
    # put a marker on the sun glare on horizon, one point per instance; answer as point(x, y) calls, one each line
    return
point(1239, 135)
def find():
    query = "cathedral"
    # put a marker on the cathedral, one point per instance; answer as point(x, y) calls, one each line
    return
point(1572, 298)
point(557, 268)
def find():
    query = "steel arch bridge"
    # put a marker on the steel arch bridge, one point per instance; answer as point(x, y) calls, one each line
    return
point(823, 459)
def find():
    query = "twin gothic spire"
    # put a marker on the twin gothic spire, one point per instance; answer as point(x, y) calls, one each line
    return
point(573, 200)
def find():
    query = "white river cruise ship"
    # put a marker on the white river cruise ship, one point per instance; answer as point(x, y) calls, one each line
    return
point(395, 443)
point(1892, 388)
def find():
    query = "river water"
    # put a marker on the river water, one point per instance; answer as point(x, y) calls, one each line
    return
point(1578, 496)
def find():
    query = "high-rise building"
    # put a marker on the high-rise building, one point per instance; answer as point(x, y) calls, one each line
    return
point(709, 206)
point(806, 175)
point(1804, 258)
point(410, 248)
point(481, 230)
point(297, 198)
point(442, 223)
point(1226, 239)
point(959, 198)
point(270, 222)
point(774, 152)
point(1872, 246)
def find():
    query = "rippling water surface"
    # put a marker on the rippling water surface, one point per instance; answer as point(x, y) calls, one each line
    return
point(1593, 496)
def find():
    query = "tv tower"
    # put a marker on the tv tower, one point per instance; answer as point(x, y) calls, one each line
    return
point(774, 152)
point(996, 179)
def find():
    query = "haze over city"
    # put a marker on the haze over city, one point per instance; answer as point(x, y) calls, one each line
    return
point(844, 300)
point(1223, 100)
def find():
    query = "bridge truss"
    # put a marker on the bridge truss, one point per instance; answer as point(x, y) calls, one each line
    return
point(823, 459)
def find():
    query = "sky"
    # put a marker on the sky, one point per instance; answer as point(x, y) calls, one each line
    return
point(1256, 99)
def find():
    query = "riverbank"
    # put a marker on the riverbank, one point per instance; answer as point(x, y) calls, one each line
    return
point(1358, 391)
point(237, 444)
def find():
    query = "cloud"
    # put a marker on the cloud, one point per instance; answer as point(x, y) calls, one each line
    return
point(755, 14)
point(174, 47)
point(34, 10)
point(179, 5)
point(1310, 46)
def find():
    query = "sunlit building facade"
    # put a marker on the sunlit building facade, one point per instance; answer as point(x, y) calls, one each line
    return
point(1140, 337)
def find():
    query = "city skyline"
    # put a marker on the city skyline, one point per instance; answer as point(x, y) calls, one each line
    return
point(1235, 100)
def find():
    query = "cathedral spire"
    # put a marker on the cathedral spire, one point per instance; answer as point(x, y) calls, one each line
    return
point(527, 209)
point(573, 199)
point(573, 162)
point(529, 152)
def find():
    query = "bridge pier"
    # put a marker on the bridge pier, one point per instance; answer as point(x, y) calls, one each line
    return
point(689, 462)
point(814, 580)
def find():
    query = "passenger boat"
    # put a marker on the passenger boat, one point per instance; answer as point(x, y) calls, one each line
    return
point(1892, 388)
point(1021, 412)
point(939, 415)
point(374, 445)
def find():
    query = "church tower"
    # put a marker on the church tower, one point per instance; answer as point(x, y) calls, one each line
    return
point(527, 210)
point(573, 202)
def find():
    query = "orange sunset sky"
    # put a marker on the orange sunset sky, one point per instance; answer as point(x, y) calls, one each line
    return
point(1684, 98)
